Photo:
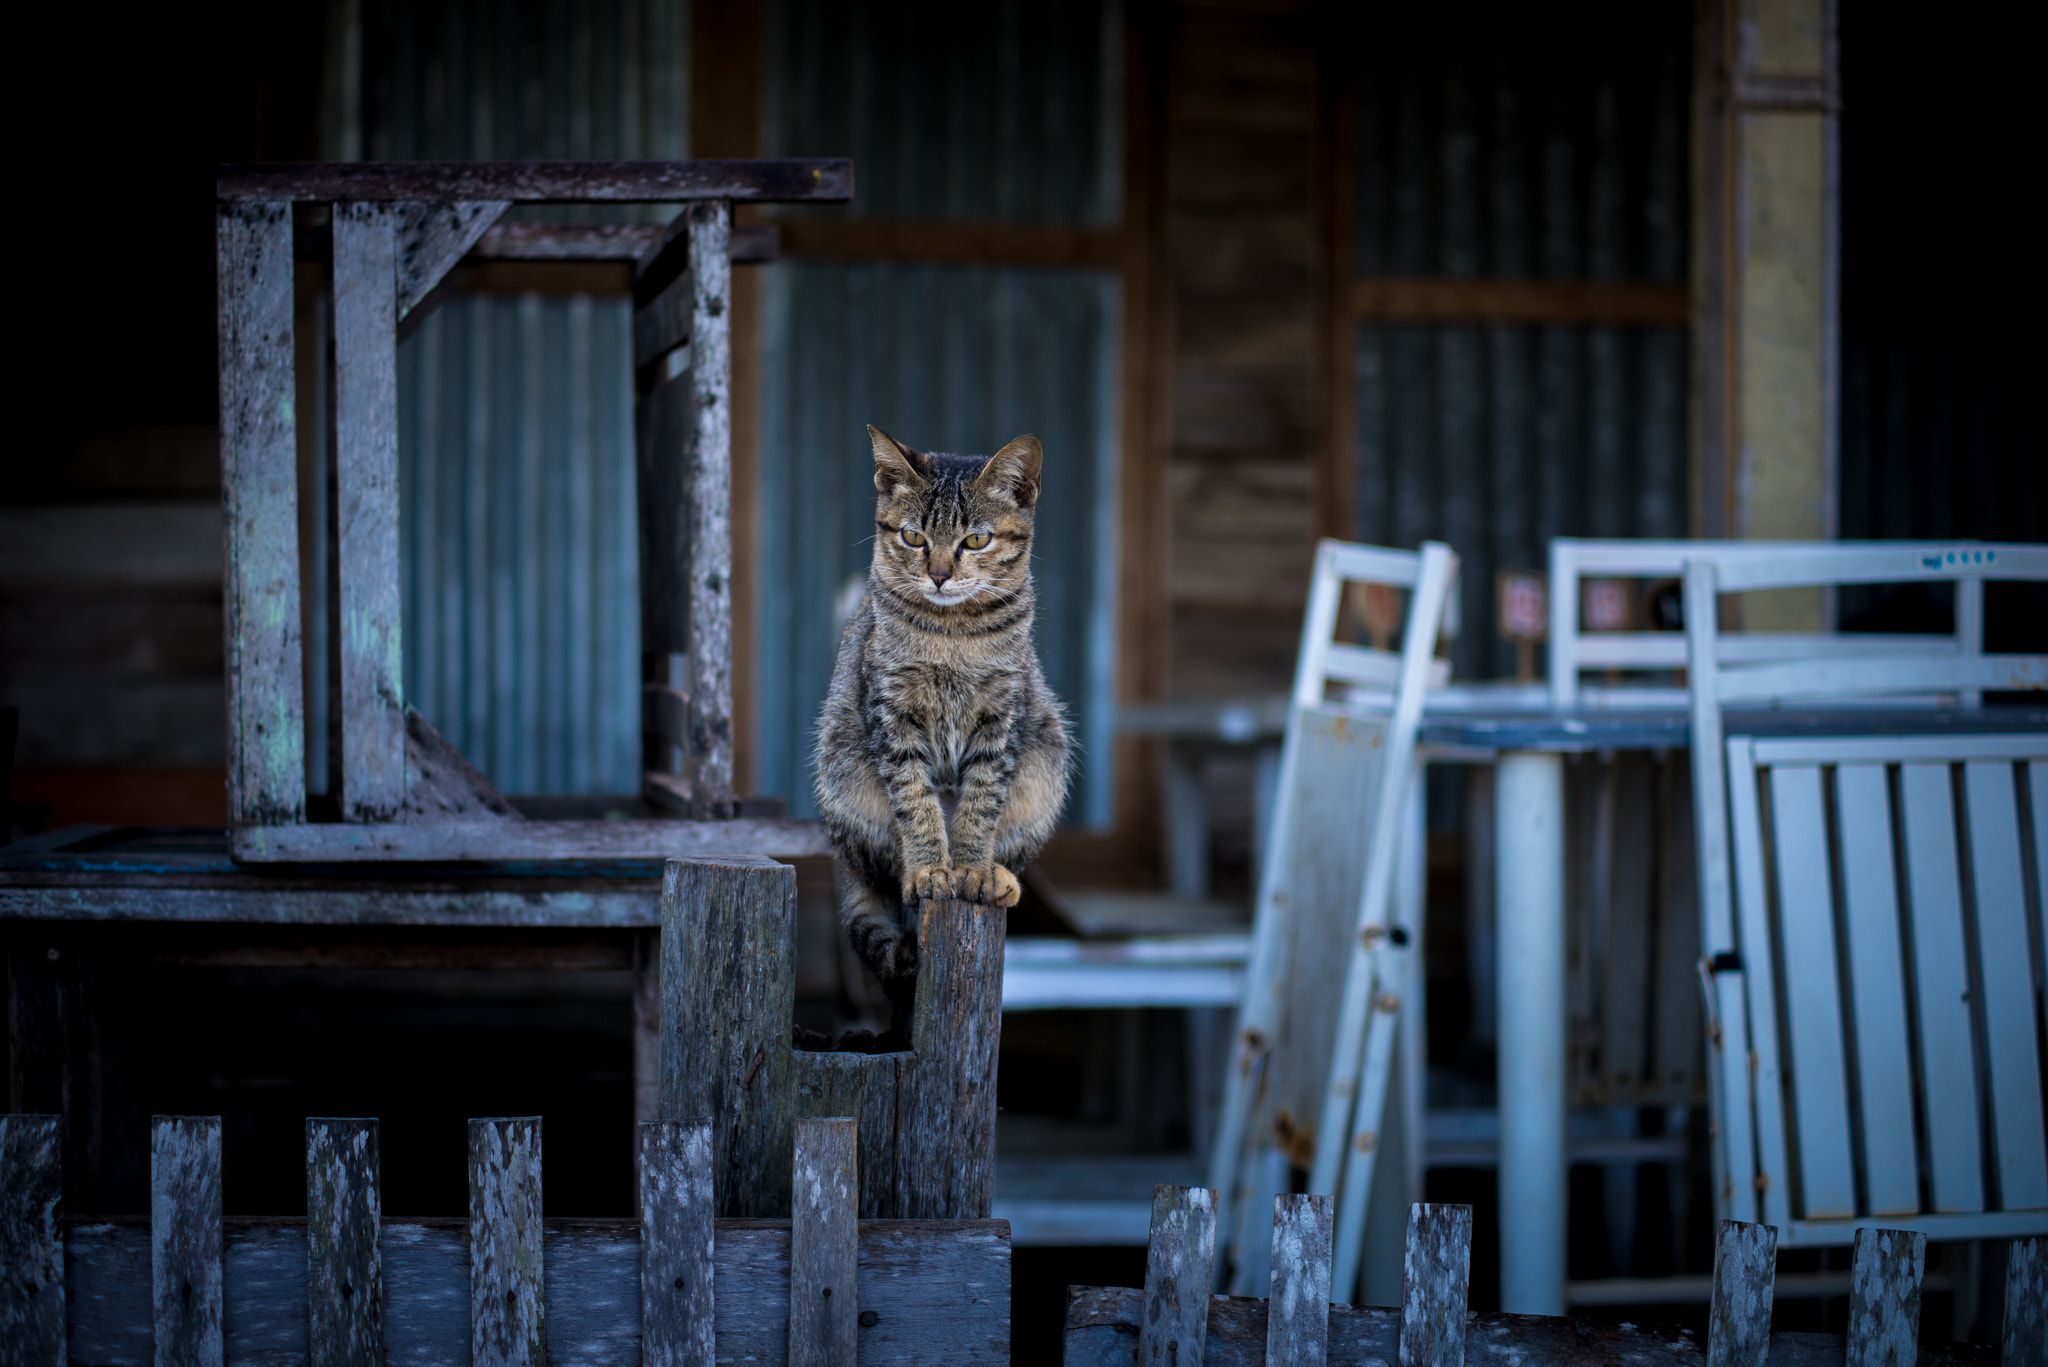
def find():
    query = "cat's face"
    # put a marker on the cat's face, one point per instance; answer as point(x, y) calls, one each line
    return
point(954, 530)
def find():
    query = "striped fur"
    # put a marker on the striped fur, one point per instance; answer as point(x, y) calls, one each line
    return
point(942, 754)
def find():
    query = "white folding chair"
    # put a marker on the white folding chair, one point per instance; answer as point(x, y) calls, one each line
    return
point(1872, 900)
point(1314, 1042)
point(1573, 648)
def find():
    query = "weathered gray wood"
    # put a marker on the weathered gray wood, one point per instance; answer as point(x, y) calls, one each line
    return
point(344, 1256)
point(947, 1112)
point(185, 1239)
point(939, 1292)
point(876, 1090)
point(31, 1256)
point(631, 903)
point(1436, 1272)
point(507, 1302)
point(489, 840)
point(823, 1248)
point(2025, 1335)
point(727, 994)
point(441, 784)
point(677, 1245)
point(662, 426)
point(373, 739)
point(1180, 1262)
point(1298, 1309)
point(1884, 1297)
point(259, 491)
point(555, 182)
point(710, 507)
point(1739, 1316)
point(1103, 1323)
point(432, 237)
point(663, 323)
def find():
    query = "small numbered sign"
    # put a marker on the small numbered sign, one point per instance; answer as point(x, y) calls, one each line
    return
point(1524, 605)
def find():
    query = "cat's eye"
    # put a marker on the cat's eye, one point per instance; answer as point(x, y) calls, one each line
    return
point(977, 541)
point(911, 538)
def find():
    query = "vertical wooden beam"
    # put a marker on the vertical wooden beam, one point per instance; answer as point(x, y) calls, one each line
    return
point(823, 1245)
point(727, 996)
point(710, 486)
point(1739, 1316)
point(1180, 1267)
point(646, 1026)
point(676, 1239)
point(1298, 1306)
point(366, 512)
point(2025, 1336)
point(259, 490)
point(185, 1239)
point(1437, 1272)
point(507, 1306)
point(947, 1132)
point(344, 1255)
point(1884, 1298)
point(32, 1287)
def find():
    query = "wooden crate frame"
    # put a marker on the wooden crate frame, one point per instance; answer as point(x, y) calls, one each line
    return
point(396, 231)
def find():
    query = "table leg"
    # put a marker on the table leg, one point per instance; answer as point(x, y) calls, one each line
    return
point(1529, 894)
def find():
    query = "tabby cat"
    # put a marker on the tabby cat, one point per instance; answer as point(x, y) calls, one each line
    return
point(942, 754)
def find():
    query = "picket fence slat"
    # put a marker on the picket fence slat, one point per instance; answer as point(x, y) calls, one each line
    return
point(1435, 1274)
point(185, 1239)
point(2025, 1338)
point(344, 1262)
point(824, 1201)
point(1739, 1316)
point(32, 1286)
point(507, 1307)
point(1884, 1297)
point(1180, 1266)
point(1298, 1320)
point(677, 1284)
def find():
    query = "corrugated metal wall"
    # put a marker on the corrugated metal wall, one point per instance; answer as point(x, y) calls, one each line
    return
point(1003, 111)
point(515, 427)
point(1532, 146)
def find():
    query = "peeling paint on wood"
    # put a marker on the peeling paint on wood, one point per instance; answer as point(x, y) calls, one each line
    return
point(474, 840)
point(344, 1256)
point(1179, 1270)
point(677, 1244)
point(1884, 1297)
point(541, 182)
point(823, 1249)
point(710, 453)
point(1739, 1316)
point(432, 237)
point(2025, 1339)
point(185, 1240)
point(1435, 1274)
point(31, 1255)
point(507, 1307)
point(1298, 1313)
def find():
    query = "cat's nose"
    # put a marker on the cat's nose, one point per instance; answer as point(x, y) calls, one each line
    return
point(939, 578)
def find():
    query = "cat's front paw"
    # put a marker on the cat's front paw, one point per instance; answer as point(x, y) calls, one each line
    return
point(932, 880)
point(991, 883)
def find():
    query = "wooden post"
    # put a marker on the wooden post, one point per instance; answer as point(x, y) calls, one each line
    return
point(1884, 1298)
point(185, 1239)
point(259, 487)
point(676, 1244)
point(823, 1248)
point(1298, 1310)
point(507, 1307)
point(1180, 1261)
point(946, 1130)
point(373, 784)
point(1436, 1271)
point(710, 484)
point(1739, 1317)
point(2025, 1338)
point(344, 1252)
point(32, 1285)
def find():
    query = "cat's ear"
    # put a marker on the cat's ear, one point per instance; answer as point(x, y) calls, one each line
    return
point(896, 465)
point(1013, 472)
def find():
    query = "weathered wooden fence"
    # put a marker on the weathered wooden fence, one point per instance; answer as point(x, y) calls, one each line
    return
point(1175, 1322)
point(507, 1288)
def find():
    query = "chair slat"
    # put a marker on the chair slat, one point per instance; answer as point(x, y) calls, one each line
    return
point(2006, 972)
point(1884, 1071)
point(1941, 985)
point(1813, 999)
point(1362, 665)
point(2037, 790)
point(1744, 1090)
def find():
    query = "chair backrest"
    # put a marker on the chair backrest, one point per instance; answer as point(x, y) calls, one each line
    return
point(1872, 907)
point(1574, 560)
point(1344, 770)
